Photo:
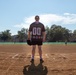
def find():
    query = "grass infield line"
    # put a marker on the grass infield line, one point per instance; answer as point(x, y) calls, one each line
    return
point(2, 43)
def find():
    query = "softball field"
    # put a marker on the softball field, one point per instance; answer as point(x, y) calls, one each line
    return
point(59, 59)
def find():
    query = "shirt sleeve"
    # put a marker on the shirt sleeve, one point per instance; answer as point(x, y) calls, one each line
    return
point(43, 29)
point(30, 28)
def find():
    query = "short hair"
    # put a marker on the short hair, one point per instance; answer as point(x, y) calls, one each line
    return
point(36, 16)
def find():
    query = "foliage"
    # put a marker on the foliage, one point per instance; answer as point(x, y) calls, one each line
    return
point(22, 35)
point(6, 35)
point(55, 33)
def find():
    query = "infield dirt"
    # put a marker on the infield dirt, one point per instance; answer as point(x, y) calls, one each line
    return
point(59, 59)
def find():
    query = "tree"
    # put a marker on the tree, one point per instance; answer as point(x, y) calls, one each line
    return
point(66, 34)
point(74, 32)
point(57, 33)
point(6, 35)
point(0, 34)
point(47, 33)
point(22, 35)
point(74, 36)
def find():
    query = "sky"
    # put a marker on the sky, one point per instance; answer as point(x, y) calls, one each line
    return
point(18, 14)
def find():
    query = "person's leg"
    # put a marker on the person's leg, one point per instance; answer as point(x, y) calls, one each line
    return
point(33, 51)
point(40, 51)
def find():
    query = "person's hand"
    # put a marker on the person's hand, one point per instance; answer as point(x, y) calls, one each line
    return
point(28, 38)
point(43, 39)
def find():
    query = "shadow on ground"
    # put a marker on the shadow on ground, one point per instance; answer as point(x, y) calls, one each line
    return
point(35, 70)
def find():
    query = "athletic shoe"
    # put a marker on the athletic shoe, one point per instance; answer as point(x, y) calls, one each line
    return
point(32, 60)
point(41, 60)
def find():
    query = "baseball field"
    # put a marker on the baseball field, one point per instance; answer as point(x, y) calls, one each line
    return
point(59, 59)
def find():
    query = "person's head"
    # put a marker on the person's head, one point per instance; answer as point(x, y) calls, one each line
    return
point(37, 18)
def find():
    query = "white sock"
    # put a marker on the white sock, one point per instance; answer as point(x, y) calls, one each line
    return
point(40, 57)
point(32, 57)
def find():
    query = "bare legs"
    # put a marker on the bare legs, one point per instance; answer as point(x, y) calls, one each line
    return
point(39, 50)
point(33, 51)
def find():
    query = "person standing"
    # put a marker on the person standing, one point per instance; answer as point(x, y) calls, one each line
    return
point(37, 36)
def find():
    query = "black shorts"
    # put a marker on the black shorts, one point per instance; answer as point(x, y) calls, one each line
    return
point(37, 42)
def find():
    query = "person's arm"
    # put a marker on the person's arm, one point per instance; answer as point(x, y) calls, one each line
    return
point(44, 36)
point(29, 32)
point(44, 33)
point(29, 35)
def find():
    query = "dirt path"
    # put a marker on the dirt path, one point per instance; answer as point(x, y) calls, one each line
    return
point(58, 60)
